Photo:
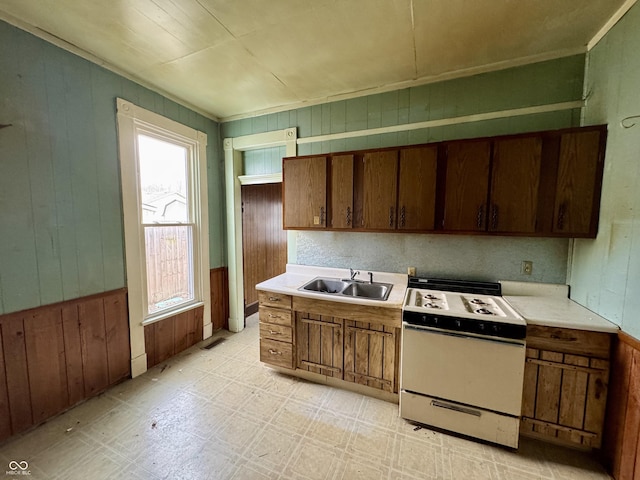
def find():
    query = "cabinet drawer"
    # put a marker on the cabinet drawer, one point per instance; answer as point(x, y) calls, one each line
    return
point(271, 299)
point(276, 353)
point(275, 315)
point(276, 332)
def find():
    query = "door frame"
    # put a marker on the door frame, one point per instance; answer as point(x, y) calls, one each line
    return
point(233, 173)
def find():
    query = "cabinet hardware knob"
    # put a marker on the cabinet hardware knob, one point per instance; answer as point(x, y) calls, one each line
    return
point(480, 216)
point(274, 352)
point(494, 217)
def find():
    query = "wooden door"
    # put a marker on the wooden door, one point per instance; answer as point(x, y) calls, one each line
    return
point(515, 182)
point(417, 188)
point(305, 192)
point(319, 344)
point(264, 242)
point(578, 181)
point(380, 189)
point(467, 186)
point(342, 191)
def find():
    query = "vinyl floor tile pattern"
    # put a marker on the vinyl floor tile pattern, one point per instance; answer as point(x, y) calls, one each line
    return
point(221, 414)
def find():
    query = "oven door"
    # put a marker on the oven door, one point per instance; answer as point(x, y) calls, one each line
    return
point(480, 371)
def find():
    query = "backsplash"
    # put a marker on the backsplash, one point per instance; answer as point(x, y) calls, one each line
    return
point(450, 256)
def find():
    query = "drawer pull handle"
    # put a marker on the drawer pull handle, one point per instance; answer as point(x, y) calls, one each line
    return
point(455, 408)
point(271, 315)
point(274, 352)
point(274, 333)
point(274, 299)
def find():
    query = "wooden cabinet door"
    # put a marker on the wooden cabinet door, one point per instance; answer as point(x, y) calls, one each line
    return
point(577, 188)
point(319, 344)
point(467, 186)
point(370, 355)
point(380, 188)
point(305, 192)
point(515, 182)
point(417, 188)
point(342, 191)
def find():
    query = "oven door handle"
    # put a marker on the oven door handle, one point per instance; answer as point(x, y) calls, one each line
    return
point(456, 408)
point(436, 331)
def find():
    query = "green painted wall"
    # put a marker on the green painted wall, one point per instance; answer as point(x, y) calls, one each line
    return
point(496, 258)
point(60, 202)
point(605, 274)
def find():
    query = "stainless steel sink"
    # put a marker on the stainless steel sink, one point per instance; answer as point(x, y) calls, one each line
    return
point(325, 285)
point(374, 291)
point(348, 288)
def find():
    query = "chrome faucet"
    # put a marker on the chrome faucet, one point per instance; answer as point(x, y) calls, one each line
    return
point(370, 277)
point(353, 273)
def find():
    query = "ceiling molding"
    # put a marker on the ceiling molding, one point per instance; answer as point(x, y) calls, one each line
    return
point(71, 48)
point(611, 23)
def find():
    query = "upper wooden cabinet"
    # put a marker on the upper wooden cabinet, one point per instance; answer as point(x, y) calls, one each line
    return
point(379, 190)
point(543, 184)
point(305, 192)
point(515, 182)
point(417, 188)
point(341, 211)
point(578, 185)
point(466, 186)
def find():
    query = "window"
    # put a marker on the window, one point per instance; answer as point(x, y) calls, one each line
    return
point(163, 169)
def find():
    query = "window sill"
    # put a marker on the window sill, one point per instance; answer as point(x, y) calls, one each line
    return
point(171, 313)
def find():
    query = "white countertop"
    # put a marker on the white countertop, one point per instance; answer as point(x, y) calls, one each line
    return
point(297, 275)
point(549, 305)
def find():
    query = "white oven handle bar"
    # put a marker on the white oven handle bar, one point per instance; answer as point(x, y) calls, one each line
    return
point(437, 331)
point(456, 408)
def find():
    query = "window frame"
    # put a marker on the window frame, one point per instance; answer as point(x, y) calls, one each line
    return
point(134, 120)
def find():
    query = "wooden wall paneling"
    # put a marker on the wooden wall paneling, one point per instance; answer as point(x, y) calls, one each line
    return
point(180, 330)
point(73, 352)
point(164, 339)
point(574, 389)
point(15, 357)
point(219, 285)
point(150, 344)
point(631, 425)
point(5, 414)
point(117, 337)
point(94, 346)
point(617, 405)
point(548, 394)
point(44, 344)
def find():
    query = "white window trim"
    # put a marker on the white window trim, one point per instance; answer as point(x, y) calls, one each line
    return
point(130, 118)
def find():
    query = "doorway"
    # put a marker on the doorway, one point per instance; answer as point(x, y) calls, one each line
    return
point(264, 242)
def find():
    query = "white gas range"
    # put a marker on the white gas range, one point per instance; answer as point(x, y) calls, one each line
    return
point(462, 359)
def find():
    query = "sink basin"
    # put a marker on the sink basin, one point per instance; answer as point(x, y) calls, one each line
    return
point(347, 288)
point(325, 285)
point(374, 291)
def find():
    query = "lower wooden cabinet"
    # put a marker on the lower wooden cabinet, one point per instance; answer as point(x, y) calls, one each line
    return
point(565, 386)
point(353, 343)
point(370, 352)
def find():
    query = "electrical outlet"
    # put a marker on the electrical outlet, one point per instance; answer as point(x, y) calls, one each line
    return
point(527, 267)
point(411, 271)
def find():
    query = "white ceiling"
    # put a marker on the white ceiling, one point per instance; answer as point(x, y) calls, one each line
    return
point(231, 58)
